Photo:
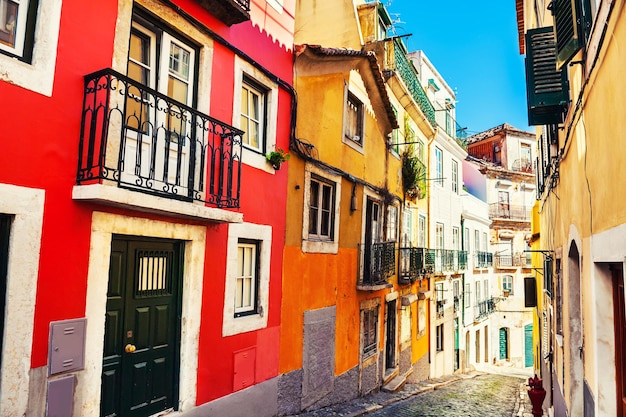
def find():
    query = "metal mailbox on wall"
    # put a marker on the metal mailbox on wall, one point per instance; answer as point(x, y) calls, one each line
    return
point(66, 351)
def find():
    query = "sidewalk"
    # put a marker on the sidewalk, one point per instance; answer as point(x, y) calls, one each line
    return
point(372, 402)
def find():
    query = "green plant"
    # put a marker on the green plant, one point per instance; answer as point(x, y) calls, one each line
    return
point(277, 157)
point(413, 175)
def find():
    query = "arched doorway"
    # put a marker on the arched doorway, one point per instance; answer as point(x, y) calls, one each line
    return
point(574, 347)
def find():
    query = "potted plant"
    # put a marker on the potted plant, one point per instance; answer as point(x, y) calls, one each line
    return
point(277, 157)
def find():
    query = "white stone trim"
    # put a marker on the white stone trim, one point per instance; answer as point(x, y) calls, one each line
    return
point(38, 75)
point(234, 325)
point(27, 206)
point(104, 225)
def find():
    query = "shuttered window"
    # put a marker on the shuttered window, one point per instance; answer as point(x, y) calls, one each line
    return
point(547, 88)
point(566, 29)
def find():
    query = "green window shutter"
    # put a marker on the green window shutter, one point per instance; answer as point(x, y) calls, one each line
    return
point(547, 88)
point(567, 30)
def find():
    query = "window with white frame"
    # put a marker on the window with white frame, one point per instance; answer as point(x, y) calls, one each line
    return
point(486, 290)
point(392, 223)
point(466, 239)
point(247, 278)
point(438, 167)
point(484, 242)
point(255, 111)
point(369, 320)
point(466, 296)
point(440, 338)
point(476, 240)
point(246, 293)
point(421, 231)
point(407, 227)
point(455, 177)
point(456, 242)
point(395, 135)
point(354, 118)
point(253, 104)
point(507, 284)
point(321, 215)
point(477, 293)
point(439, 242)
point(17, 27)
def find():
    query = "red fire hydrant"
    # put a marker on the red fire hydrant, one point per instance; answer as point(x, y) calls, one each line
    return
point(537, 394)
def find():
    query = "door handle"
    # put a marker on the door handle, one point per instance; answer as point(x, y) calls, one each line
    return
point(130, 348)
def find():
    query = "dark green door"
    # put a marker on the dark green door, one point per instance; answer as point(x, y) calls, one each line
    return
point(504, 343)
point(140, 366)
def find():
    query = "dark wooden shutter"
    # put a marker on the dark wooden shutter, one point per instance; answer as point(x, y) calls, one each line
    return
point(530, 292)
point(567, 30)
point(547, 88)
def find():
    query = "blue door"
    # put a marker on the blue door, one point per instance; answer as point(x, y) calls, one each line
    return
point(529, 359)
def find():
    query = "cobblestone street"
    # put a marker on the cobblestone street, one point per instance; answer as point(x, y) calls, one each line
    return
point(476, 394)
point(485, 395)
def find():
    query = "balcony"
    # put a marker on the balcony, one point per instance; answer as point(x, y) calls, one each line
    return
point(485, 308)
point(416, 263)
point(228, 11)
point(523, 260)
point(501, 211)
point(379, 263)
point(483, 260)
point(449, 260)
point(135, 138)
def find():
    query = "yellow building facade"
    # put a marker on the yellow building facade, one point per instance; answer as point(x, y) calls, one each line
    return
point(574, 64)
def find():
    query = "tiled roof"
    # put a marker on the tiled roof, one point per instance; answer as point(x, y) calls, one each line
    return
point(504, 127)
point(370, 56)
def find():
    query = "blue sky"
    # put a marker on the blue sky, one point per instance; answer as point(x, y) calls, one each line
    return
point(475, 49)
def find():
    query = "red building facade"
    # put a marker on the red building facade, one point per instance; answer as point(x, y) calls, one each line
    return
point(141, 226)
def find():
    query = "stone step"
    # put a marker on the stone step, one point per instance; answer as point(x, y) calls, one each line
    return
point(395, 384)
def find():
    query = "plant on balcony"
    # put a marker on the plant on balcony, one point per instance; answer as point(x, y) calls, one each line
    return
point(277, 157)
point(413, 175)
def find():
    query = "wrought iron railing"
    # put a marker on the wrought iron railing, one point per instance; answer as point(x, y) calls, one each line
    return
point(407, 72)
point(483, 259)
point(415, 263)
point(450, 260)
point(509, 212)
point(137, 138)
point(484, 308)
point(523, 260)
point(245, 4)
point(379, 263)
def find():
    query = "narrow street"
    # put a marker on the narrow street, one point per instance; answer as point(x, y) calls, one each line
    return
point(485, 395)
point(474, 395)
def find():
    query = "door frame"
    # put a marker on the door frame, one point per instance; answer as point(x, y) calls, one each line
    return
point(104, 226)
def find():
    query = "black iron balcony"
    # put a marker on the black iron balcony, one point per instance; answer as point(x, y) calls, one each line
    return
point(523, 260)
point(228, 11)
point(483, 259)
point(450, 260)
point(501, 211)
point(415, 263)
point(379, 263)
point(136, 138)
point(484, 308)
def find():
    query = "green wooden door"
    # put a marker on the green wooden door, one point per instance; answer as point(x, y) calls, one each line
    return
point(504, 343)
point(529, 359)
point(140, 365)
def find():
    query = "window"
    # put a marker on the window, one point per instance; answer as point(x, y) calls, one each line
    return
point(321, 209)
point(253, 105)
point(320, 217)
point(438, 166)
point(395, 134)
point(466, 296)
point(353, 128)
point(466, 238)
point(439, 236)
point(421, 231)
point(407, 227)
point(526, 156)
point(440, 338)
point(419, 150)
point(486, 289)
point(255, 111)
point(507, 284)
point(478, 294)
point(370, 333)
point(484, 242)
point(476, 240)
point(276, 4)
point(456, 238)
point(247, 277)
point(455, 177)
point(392, 223)
point(17, 27)
point(247, 281)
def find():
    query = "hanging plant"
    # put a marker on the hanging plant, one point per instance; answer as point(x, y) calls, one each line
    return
point(277, 157)
point(413, 175)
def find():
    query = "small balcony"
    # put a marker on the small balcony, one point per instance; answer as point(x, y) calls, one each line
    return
point(484, 308)
point(414, 264)
point(450, 260)
point(228, 11)
point(483, 260)
point(135, 138)
point(520, 260)
point(378, 265)
point(508, 212)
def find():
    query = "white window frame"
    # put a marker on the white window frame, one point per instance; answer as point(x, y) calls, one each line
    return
point(407, 227)
point(467, 296)
point(477, 293)
point(251, 156)
point(438, 167)
point(252, 89)
point(439, 236)
point(392, 223)
point(486, 289)
point(313, 245)
point(421, 231)
point(507, 283)
point(231, 324)
point(439, 338)
point(456, 238)
point(247, 275)
point(19, 26)
point(352, 99)
point(38, 75)
point(455, 177)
